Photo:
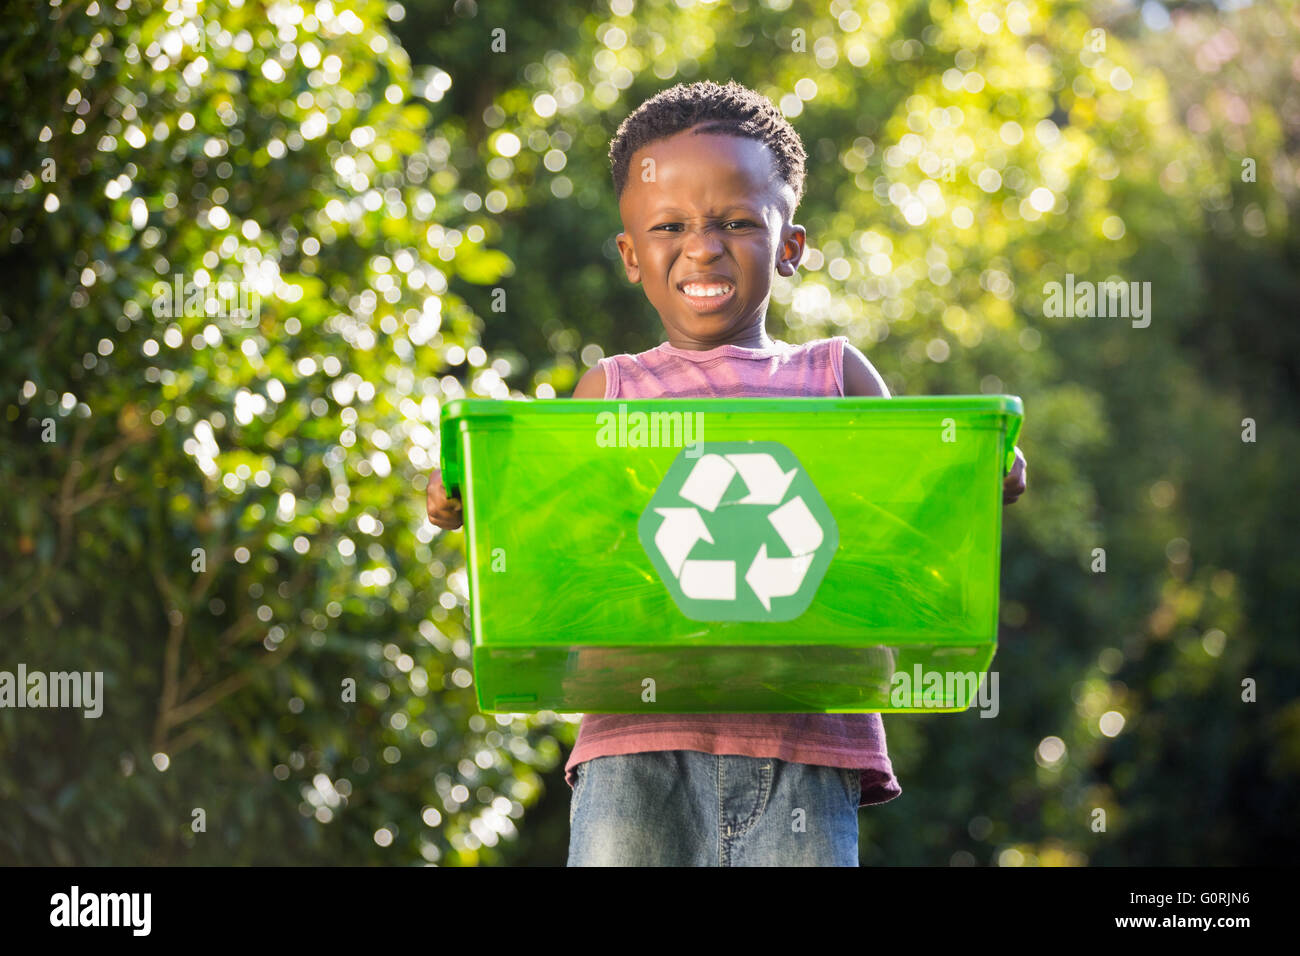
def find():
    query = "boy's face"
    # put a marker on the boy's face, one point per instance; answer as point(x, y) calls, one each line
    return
point(715, 214)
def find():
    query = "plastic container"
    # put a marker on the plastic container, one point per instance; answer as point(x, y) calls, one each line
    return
point(863, 537)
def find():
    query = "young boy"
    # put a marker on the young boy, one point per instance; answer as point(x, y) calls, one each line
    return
point(708, 178)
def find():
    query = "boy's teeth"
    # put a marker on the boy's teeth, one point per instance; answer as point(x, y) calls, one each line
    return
point(706, 290)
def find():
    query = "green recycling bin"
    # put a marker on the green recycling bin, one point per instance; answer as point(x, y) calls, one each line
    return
point(752, 555)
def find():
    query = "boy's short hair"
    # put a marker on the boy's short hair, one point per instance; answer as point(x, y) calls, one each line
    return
point(732, 109)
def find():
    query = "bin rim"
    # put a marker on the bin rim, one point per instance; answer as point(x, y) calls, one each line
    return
point(459, 409)
point(497, 407)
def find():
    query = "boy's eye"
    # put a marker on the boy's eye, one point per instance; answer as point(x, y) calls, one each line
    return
point(744, 223)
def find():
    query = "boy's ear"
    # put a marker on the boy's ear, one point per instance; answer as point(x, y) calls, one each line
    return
point(792, 249)
point(630, 265)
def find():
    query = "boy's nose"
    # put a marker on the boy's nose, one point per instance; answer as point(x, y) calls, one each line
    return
point(703, 242)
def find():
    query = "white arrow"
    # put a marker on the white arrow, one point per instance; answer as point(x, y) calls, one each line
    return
point(709, 580)
point(708, 481)
point(797, 526)
point(775, 577)
point(682, 527)
point(763, 476)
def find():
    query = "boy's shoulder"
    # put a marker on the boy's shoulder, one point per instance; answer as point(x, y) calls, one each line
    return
point(860, 376)
point(592, 384)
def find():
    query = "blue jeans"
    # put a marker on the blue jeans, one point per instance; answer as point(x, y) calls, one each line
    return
point(687, 808)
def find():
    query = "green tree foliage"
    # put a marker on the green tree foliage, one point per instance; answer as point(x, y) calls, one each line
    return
point(228, 521)
point(417, 233)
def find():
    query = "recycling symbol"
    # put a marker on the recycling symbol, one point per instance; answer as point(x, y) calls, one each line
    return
point(739, 533)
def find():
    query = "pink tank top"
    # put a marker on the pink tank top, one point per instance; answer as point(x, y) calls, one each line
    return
point(833, 740)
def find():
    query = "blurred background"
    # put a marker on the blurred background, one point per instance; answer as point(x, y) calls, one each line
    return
point(223, 511)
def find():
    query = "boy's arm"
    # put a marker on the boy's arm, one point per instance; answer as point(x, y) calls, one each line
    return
point(591, 385)
point(447, 512)
point(861, 378)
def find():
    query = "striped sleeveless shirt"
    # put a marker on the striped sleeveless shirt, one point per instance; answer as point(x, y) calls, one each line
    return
point(834, 740)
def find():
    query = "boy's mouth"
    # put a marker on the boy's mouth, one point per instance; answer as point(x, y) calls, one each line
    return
point(707, 295)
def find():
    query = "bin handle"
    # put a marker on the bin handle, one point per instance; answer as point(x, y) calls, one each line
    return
point(450, 468)
point(451, 421)
point(1013, 432)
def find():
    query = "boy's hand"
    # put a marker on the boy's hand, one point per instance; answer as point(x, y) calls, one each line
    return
point(443, 511)
point(1014, 485)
